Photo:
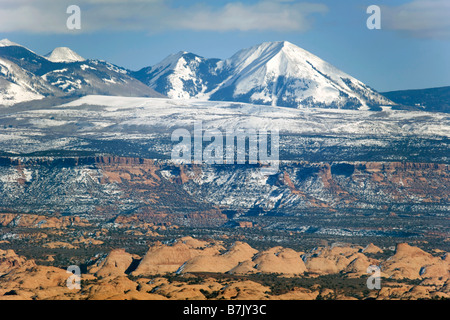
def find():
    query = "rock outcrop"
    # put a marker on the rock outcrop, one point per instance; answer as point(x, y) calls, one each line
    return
point(414, 263)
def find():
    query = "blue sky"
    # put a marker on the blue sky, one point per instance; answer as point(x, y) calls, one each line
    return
point(411, 50)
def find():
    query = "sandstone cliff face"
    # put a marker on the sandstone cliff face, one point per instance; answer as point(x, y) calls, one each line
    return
point(197, 194)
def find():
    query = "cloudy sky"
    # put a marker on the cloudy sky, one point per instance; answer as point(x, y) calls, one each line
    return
point(411, 50)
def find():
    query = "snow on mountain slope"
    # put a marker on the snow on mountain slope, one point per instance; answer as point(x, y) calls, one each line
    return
point(19, 85)
point(71, 74)
point(183, 75)
point(8, 43)
point(272, 73)
point(11, 93)
point(63, 54)
point(96, 77)
point(282, 74)
point(146, 113)
point(143, 127)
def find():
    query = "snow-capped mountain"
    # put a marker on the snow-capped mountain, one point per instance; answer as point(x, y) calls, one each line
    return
point(17, 84)
point(8, 43)
point(183, 75)
point(282, 74)
point(95, 76)
point(63, 54)
point(25, 75)
point(272, 73)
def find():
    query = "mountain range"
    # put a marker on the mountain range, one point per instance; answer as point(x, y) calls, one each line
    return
point(272, 73)
point(25, 75)
point(431, 99)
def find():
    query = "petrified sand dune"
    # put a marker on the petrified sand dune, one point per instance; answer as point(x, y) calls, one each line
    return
point(59, 244)
point(9, 261)
point(324, 260)
point(275, 260)
point(115, 264)
point(39, 221)
point(184, 291)
point(119, 288)
point(280, 260)
point(414, 263)
point(163, 258)
point(23, 279)
point(39, 282)
point(371, 248)
point(358, 266)
point(299, 294)
point(222, 263)
point(245, 290)
point(321, 265)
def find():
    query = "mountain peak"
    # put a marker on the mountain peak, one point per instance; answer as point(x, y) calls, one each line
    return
point(63, 54)
point(278, 44)
point(7, 43)
point(276, 73)
point(273, 46)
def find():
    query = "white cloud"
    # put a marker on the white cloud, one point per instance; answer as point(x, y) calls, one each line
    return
point(264, 15)
point(47, 16)
point(419, 18)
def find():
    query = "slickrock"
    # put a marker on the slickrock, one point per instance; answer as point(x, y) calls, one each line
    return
point(9, 261)
point(371, 248)
point(109, 280)
point(161, 258)
point(359, 265)
point(239, 252)
point(88, 241)
point(115, 264)
point(40, 221)
point(59, 244)
point(184, 291)
point(331, 260)
point(414, 263)
point(38, 282)
point(321, 266)
point(119, 288)
point(298, 294)
point(244, 267)
point(245, 290)
point(275, 260)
